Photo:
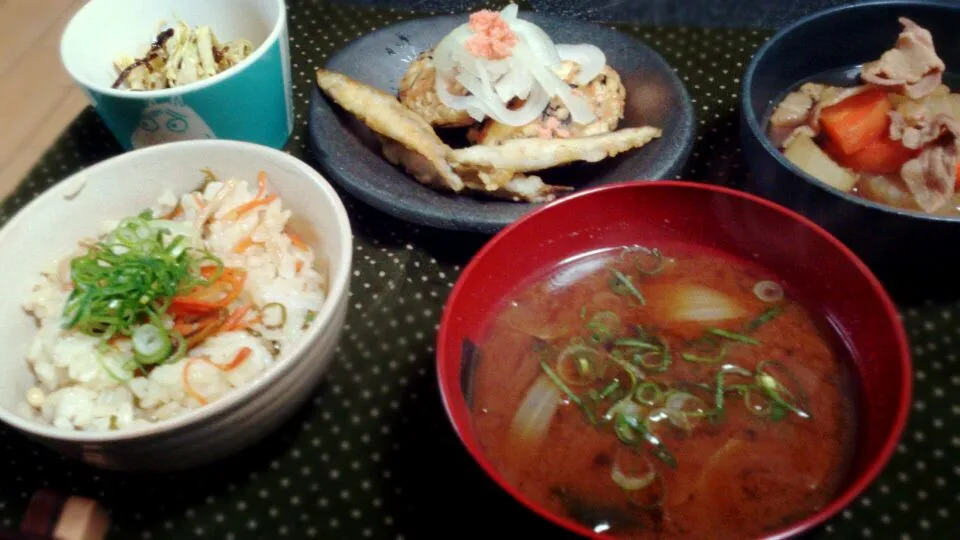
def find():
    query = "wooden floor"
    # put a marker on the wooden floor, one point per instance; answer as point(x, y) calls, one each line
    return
point(37, 97)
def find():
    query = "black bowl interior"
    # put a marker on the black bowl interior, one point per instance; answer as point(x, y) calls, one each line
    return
point(348, 153)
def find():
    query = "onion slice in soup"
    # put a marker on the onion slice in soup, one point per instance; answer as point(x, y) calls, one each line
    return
point(631, 471)
point(532, 419)
point(690, 302)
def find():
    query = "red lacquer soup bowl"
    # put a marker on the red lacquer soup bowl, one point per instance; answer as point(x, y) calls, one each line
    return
point(833, 284)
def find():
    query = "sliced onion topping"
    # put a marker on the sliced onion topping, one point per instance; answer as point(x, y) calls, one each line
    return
point(525, 75)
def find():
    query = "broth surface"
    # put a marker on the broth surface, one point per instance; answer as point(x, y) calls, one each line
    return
point(740, 467)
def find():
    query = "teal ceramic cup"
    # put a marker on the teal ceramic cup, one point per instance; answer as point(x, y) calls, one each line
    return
point(251, 101)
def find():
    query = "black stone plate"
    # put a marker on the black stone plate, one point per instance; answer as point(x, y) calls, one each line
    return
point(349, 155)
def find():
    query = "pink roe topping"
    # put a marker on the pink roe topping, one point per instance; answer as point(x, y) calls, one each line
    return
point(492, 37)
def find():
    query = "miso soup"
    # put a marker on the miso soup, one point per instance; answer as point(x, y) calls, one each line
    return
point(665, 392)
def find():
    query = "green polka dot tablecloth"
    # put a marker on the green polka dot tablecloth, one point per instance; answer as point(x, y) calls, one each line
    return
point(373, 456)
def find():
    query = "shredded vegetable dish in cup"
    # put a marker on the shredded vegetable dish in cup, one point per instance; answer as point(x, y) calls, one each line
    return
point(171, 309)
point(178, 56)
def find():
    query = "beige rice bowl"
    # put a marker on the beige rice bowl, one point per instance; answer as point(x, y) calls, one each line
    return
point(84, 385)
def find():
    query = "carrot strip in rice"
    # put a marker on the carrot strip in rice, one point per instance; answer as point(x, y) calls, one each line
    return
point(241, 356)
point(235, 320)
point(239, 211)
point(238, 360)
point(296, 240)
point(262, 181)
point(186, 379)
point(244, 244)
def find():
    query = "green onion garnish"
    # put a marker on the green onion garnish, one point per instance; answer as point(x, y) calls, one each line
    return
point(128, 278)
point(636, 344)
point(281, 315)
point(569, 393)
point(768, 315)
point(720, 390)
point(657, 265)
point(733, 336)
point(700, 359)
point(658, 448)
point(603, 326)
point(609, 389)
point(151, 344)
point(623, 283)
point(648, 393)
point(776, 391)
point(663, 353)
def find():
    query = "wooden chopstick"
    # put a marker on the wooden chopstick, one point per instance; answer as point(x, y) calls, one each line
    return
point(55, 516)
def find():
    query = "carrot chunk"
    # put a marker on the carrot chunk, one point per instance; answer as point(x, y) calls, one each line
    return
point(857, 121)
point(880, 156)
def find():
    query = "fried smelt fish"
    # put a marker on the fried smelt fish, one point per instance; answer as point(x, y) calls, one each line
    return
point(518, 188)
point(527, 155)
point(498, 184)
point(382, 113)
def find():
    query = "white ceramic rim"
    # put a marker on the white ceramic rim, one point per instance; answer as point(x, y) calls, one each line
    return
point(336, 293)
point(278, 28)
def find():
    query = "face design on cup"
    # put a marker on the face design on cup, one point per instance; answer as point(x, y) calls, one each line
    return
point(169, 121)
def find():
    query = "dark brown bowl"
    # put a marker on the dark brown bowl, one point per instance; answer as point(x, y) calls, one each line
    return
point(349, 154)
point(900, 245)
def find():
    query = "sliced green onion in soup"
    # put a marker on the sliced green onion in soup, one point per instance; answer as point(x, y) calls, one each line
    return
point(580, 365)
point(704, 359)
point(770, 384)
point(603, 326)
point(768, 315)
point(624, 430)
point(648, 393)
point(635, 343)
point(768, 291)
point(649, 268)
point(733, 336)
point(571, 395)
point(650, 498)
point(676, 418)
point(657, 361)
point(622, 285)
point(686, 404)
point(625, 405)
point(658, 449)
point(653, 268)
point(608, 390)
point(757, 401)
point(719, 396)
point(632, 471)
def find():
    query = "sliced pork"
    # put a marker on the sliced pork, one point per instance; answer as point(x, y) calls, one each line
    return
point(931, 176)
point(912, 67)
point(916, 132)
point(799, 113)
